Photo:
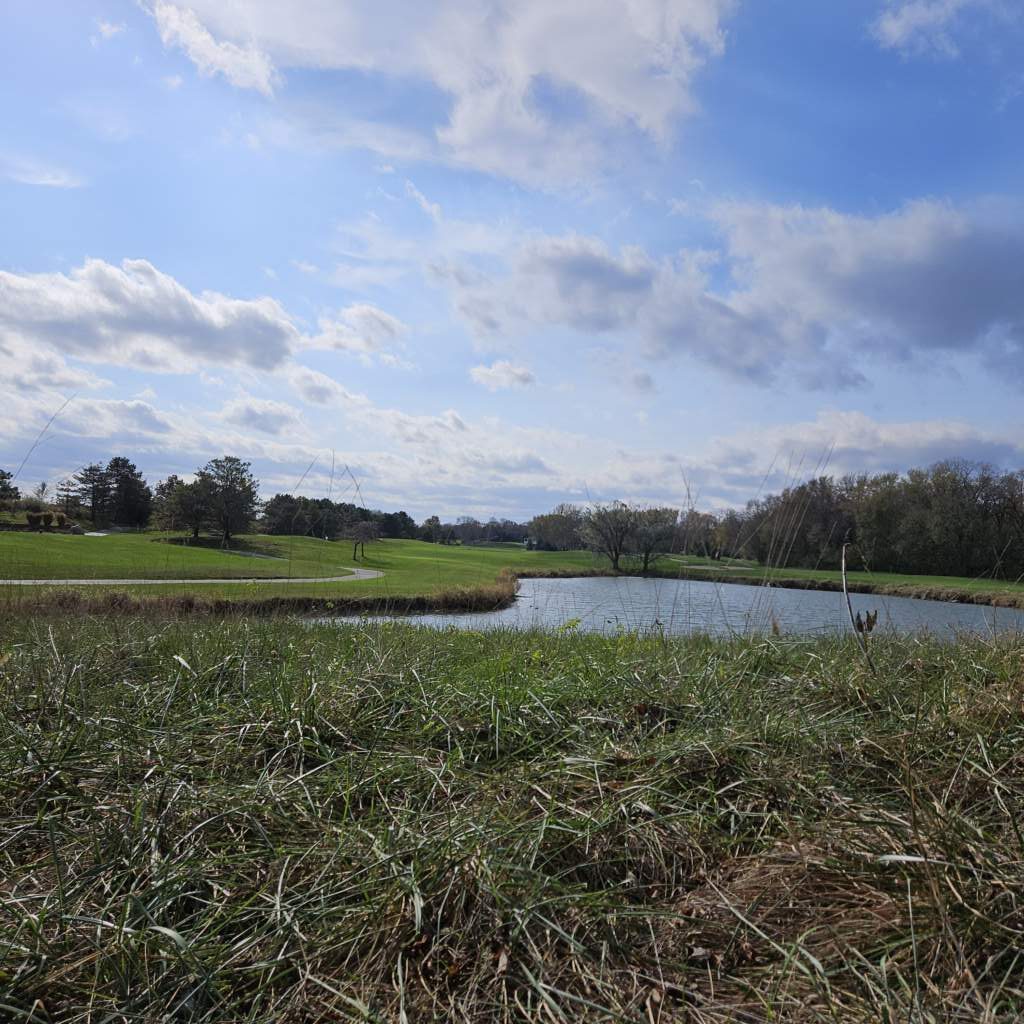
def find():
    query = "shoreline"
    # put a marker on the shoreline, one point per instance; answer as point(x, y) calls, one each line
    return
point(457, 600)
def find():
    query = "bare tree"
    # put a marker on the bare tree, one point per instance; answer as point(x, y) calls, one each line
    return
point(608, 529)
point(654, 534)
point(362, 533)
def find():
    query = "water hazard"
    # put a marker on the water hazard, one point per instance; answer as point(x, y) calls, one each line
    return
point(680, 607)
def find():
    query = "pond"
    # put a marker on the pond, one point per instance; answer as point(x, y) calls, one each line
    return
point(609, 604)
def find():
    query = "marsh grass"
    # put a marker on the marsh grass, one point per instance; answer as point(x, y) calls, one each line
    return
point(255, 820)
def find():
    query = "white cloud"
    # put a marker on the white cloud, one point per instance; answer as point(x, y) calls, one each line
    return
point(809, 294)
point(173, 82)
point(107, 30)
point(246, 67)
point(922, 26)
point(502, 375)
point(138, 316)
point(537, 91)
point(316, 387)
point(28, 171)
point(264, 415)
point(432, 210)
point(359, 328)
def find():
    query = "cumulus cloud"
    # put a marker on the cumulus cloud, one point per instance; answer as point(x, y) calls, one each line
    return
point(265, 415)
point(246, 67)
point(537, 91)
point(360, 328)
point(315, 387)
point(502, 375)
point(811, 294)
point(135, 315)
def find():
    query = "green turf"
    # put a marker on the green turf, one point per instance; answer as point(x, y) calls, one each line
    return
point(741, 569)
point(256, 821)
point(153, 555)
point(410, 567)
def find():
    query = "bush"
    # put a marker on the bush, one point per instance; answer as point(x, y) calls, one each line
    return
point(47, 518)
point(62, 520)
point(34, 520)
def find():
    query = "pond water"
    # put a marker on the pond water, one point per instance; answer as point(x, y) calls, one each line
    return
point(608, 604)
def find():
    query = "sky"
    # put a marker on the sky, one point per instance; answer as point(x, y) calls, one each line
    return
point(478, 257)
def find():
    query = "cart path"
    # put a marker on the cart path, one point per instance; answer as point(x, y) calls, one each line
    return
point(354, 574)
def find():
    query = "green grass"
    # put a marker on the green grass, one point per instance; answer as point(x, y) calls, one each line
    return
point(750, 572)
point(410, 567)
point(154, 556)
point(253, 821)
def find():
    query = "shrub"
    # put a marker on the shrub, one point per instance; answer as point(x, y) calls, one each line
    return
point(47, 518)
point(34, 520)
point(62, 520)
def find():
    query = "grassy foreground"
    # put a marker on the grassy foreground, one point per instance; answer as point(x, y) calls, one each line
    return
point(249, 820)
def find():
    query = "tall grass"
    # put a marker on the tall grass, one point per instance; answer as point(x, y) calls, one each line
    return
point(252, 820)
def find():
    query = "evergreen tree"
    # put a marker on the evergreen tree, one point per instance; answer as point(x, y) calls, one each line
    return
point(234, 494)
point(94, 491)
point(130, 500)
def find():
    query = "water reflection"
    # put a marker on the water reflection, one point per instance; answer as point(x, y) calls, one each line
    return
point(679, 607)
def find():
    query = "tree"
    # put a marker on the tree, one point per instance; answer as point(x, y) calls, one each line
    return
point(94, 490)
point(432, 529)
point(559, 530)
point(654, 534)
point(608, 529)
point(9, 494)
point(67, 497)
point(285, 514)
point(131, 500)
point(361, 534)
point(40, 490)
point(397, 524)
point(233, 493)
point(183, 506)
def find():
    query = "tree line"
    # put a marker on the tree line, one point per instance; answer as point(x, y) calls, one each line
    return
point(954, 518)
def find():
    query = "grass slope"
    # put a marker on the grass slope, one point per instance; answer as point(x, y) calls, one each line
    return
point(253, 821)
point(412, 569)
point(983, 589)
point(162, 556)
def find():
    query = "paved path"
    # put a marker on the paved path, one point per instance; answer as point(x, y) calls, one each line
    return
point(356, 574)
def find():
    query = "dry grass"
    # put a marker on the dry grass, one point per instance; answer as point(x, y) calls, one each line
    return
point(247, 820)
point(55, 602)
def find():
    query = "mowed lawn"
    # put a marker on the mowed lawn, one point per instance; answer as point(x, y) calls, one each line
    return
point(752, 572)
point(162, 556)
point(409, 566)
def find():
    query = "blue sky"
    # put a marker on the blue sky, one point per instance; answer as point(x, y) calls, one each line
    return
point(492, 256)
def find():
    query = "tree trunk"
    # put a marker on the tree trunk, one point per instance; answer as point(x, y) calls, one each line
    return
point(355, 550)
